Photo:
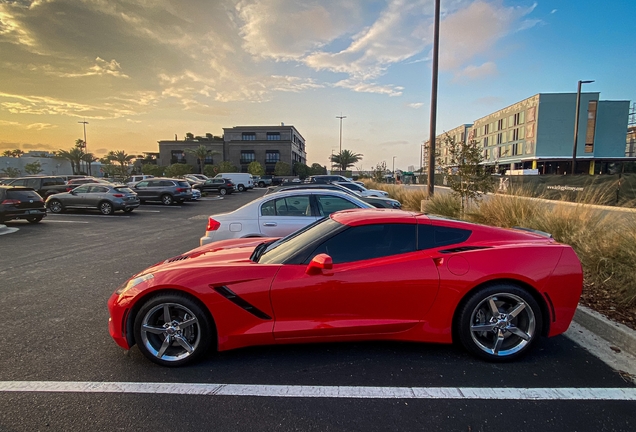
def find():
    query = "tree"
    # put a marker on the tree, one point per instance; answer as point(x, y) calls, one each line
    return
point(16, 153)
point(33, 168)
point(282, 169)
point(317, 169)
point(301, 170)
point(345, 159)
point(7, 153)
point(189, 136)
point(123, 159)
point(211, 170)
point(74, 156)
point(152, 169)
point(201, 153)
point(89, 158)
point(226, 166)
point(469, 179)
point(379, 172)
point(10, 172)
point(255, 168)
point(178, 170)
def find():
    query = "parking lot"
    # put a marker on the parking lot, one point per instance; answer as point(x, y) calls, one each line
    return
point(56, 277)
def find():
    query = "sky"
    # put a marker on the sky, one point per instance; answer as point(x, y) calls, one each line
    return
point(140, 71)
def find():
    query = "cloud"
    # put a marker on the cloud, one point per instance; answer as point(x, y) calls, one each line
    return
point(100, 68)
point(473, 72)
point(554, 11)
point(36, 126)
point(415, 105)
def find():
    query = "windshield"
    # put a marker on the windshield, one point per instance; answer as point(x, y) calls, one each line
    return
point(279, 251)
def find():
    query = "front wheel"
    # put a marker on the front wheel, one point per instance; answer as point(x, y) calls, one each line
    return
point(167, 199)
point(500, 323)
point(34, 219)
point(223, 191)
point(172, 330)
point(261, 184)
point(55, 206)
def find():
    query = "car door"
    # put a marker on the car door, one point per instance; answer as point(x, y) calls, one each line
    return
point(379, 284)
point(142, 190)
point(77, 197)
point(95, 195)
point(281, 216)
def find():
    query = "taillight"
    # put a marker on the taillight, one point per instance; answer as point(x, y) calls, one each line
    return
point(181, 190)
point(213, 225)
point(118, 195)
point(68, 189)
point(11, 202)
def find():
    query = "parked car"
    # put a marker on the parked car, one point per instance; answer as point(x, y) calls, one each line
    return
point(222, 186)
point(73, 183)
point(104, 197)
point(132, 180)
point(43, 185)
point(166, 190)
point(242, 181)
point(278, 214)
point(196, 177)
point(363, 190)
point(5, 180)
point(196, 194)
point(356, 275)
point(264, 180)
point(21, 203)
point(325, 178)
point(375, 202)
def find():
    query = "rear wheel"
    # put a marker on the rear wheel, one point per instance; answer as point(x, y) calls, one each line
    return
point(241, 188)
point(34, 219)
point(106, 208)
point(167, 199)
point(500, 323)
point(223, 191)
point(56, 206)
point(172, 330)
point(261, 184)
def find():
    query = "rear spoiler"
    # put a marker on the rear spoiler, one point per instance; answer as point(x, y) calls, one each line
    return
point(534, 231)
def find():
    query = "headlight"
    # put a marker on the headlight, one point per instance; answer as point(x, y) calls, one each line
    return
point(133, 283)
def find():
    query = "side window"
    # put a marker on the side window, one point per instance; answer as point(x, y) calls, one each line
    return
point(81, 189)
point(293, 206)
point(48, 182)
point(142, 184)
point(34, 183)
point(429, 236)
point(328, 204)
point(98, 189)
point(269, 208)
point(165, 183)
point(368, 242)
point(129, 180)
point(21, 182)
point(154, 183)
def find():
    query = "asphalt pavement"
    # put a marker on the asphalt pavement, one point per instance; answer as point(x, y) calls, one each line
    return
point(55, 279)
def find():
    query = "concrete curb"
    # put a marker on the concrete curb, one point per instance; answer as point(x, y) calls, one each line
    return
point(615, 333)
point(6, 230)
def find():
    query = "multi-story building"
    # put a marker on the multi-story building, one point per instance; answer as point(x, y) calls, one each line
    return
point(538, 133)
point(241, 145)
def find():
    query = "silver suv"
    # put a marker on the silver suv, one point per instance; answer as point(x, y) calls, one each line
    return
point(166, 190)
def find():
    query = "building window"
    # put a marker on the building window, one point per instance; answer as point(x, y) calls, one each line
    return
point(485, 141)
point(486, 129)
point(177, 156)
point(249, 136)
point(500, 124)
point(272, 156)
point(499, 138)
point(517, 119)
point(515, 134)
point(273, 136)
point(516, 149)
point(247, 156)
point(209, 159)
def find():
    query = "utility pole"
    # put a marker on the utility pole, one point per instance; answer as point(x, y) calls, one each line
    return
point(85, 123)
point(431, 147)
point(341, 117)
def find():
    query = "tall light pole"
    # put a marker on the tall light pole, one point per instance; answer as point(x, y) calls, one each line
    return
point(393, 172)
point(341, 117)
point(85, 123)
point(576, 122)
point(431, 147)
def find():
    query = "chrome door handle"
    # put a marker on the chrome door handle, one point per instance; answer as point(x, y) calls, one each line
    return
point(269, 224)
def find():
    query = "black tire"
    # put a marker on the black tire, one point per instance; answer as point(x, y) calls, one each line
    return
point(222, 191)
point(106, 208)
point(261, 184)
point(56, 206)
point(128, 210)
point(151, 335)
point(34, 219)
point(167, 199)
point(241, 188)
point(504, 337)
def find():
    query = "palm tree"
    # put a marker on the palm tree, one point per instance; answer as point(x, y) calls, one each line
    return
point(201, 153)
point(17, 153)
point(122, 158)
point(7, 153)
point(89, 158)
point(345, 159)
point(74, 156)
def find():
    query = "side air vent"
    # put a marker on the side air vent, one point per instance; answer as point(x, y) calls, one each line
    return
point(463, 249)
point(234, 298)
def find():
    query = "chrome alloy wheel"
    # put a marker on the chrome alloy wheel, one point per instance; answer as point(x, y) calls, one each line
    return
point(502, 324)
point(170, 332)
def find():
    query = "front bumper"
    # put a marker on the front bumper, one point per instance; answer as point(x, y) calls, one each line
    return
point(117, 321)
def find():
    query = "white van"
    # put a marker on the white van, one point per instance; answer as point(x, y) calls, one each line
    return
point(242, 181)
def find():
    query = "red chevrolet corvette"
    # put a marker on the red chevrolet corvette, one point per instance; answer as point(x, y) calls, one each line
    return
point(356, 275)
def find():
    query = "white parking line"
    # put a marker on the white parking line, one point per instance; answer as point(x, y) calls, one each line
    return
point(359, 392)
point(88, 215)
point(147, 211)
point(63, 221)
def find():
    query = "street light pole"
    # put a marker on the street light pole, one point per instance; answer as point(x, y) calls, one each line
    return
point(85, 123)
point(431, 147)
point(393, 172)
point(341, 117)
point(576, 122)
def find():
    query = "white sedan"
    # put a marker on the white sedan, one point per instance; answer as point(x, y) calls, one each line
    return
point(278, 214)
point(362, 190)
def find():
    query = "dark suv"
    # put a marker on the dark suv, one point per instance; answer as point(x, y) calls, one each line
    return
point(219, 185)
point(21, 203)
point(166, 190)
